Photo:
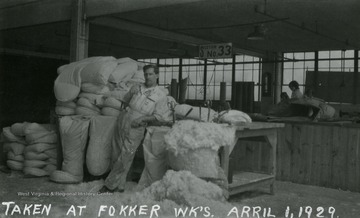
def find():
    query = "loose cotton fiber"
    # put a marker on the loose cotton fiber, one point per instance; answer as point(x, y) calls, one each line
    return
point(174, 190)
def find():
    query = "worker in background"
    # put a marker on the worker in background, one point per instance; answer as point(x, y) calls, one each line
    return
point(296, 93)
point(147, 103)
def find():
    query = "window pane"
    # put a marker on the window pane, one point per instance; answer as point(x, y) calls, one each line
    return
point(324, 54)
point(228, 76)
point(287, 76)
point(335, 54)
point(288, 64)
point(299, 76)
point(309, 55)
point(299, 56)
point(324, 64)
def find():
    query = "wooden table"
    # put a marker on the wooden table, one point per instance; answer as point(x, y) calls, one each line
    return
point(244, 181)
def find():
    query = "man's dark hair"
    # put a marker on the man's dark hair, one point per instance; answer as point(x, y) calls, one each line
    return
point(156, 69)
point(294, 84)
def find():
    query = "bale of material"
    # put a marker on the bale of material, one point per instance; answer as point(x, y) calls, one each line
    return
point(94, 99)
point(124, 70)
point(36, 127)
point(67, 104)
point(98, 154)
point(12, 156)
point(64, 111)
point(51, 153)
point(86, 111)
point(18, 129)
point(84, 102)
point(49, 137)
point(98, 72)
point(74, 134)
point(15, 147)
point(35, 156)
point(64, 177)
point(234, 117)
point(10, 137)
point(34, 171)
point(113, 103)
point(50, 168)
point(35, 163)
point(15, 165)
point(96, 89)
point(40, 147)
point(109, 111)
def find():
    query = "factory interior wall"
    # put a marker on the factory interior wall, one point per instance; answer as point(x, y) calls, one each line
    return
point(267, 101)
point(26, 88)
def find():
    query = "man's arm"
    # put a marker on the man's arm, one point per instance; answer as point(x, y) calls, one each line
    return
point(143, 120)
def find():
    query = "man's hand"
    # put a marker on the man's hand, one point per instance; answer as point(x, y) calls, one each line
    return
point(135, 89)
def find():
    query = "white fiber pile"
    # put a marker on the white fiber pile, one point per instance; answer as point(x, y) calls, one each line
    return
point(31, 148)
point(175, 190)
point(193, 146)
point(188, 135)
point(234, 117)
point(92, 79)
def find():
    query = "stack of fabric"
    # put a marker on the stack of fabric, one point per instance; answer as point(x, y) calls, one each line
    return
point(92, 80)
point(112, 107)
point(14, 144)
point(40, 153)
point(31, 148)
point(65, 108)
point(85, 106)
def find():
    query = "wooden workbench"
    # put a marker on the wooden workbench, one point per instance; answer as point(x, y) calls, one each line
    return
point(243, 181)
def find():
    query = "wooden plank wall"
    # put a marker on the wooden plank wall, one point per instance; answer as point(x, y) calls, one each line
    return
point(312, 154)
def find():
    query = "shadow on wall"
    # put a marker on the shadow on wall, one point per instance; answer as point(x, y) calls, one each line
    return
point(26, 87)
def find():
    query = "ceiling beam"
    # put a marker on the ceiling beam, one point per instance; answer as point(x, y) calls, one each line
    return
point(96, 8)
point(50, 11)
point(33, 54)
point(153, 32)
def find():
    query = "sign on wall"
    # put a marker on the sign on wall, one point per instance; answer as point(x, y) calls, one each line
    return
point(223, 50)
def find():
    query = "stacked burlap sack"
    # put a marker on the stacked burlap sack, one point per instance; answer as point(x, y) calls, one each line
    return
point(65, 108)
point(90, 81)
point(41, 150)
point(31, 147)
point(14, 148)
point(112, 107)
point(74, 132)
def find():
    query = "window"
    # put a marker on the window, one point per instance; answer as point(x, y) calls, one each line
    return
point(295, 66)
point(218, 70)
point(247, 69)
point(194, 70)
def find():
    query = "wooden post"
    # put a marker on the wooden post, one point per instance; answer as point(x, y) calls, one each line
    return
point(205, 78)
point(79, 37)
point(174, 89)
point(222, 92)
point(356, 76)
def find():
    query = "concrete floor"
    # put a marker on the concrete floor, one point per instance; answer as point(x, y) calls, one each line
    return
point(14, 187)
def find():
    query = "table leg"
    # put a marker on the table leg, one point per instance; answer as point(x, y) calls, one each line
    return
point(225, 160)
point(272, 140)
